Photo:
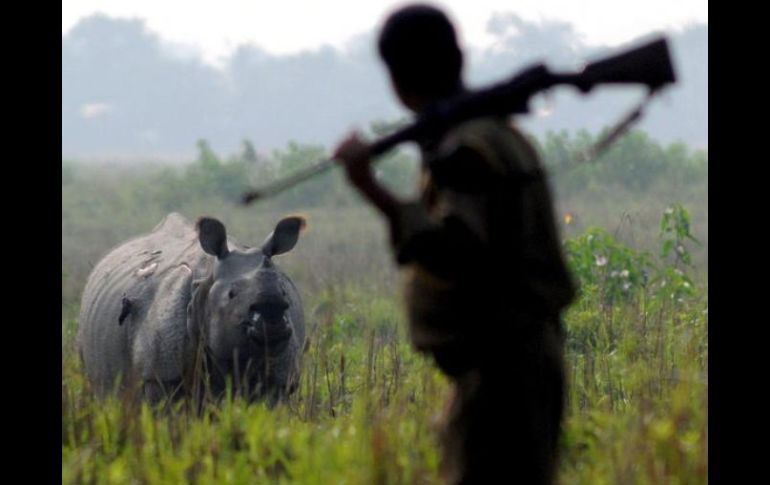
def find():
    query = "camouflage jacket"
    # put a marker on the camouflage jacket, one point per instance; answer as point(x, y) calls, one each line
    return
point(480, 250)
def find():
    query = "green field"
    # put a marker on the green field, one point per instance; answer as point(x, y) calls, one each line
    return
point(368, 406)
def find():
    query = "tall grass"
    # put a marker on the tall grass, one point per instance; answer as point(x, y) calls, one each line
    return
point(368, 406)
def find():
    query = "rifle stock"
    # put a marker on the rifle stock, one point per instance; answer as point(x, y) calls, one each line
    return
point(649, 64)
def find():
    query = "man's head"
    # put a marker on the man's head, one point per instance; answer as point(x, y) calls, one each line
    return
point(419, 46)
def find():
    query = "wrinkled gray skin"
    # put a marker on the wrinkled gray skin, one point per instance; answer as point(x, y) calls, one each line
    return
point(160, 307)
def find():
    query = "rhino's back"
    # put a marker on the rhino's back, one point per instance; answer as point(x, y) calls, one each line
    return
point(126, 281)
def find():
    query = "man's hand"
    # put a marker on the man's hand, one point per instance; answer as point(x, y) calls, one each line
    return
point(353, 154)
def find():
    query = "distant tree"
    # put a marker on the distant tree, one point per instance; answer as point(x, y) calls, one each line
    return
point(248, 153)
point(210, 176)
point(206, 156)
point(326, 188)
point(297, 156)
point(635, 161)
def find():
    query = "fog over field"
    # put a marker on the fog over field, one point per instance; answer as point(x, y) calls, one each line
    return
point(129, 93)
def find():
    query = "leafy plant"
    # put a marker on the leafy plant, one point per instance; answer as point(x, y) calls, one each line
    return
point(598, 260)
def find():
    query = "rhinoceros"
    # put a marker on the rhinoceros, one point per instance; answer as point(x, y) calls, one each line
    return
point(160, 307)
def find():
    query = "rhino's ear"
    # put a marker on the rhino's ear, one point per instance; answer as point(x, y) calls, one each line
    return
point(213, 237)
point(284, 237)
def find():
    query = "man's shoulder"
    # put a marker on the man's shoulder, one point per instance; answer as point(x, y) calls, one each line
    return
point(501, 145)
point(480, 130)
point(486, 127)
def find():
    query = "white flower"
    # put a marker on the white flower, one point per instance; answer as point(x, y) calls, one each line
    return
point(680, 249)
point(601, 261)
point(614, 274)
point(624, 273)
point(626, 286)
point(670, 210)
point(686, 284)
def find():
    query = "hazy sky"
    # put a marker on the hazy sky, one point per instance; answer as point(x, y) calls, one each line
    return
point(215, 27)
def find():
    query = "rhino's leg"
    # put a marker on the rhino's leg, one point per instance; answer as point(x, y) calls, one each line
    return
point(156, 391)
point(283, 379)
point(161, 348)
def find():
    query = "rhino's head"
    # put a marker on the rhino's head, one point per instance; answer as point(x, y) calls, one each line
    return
point(246, 308)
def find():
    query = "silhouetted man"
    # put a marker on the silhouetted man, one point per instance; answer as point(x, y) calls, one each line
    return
point(485, 280)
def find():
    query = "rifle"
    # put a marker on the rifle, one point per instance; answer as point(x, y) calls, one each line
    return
point(649, 65)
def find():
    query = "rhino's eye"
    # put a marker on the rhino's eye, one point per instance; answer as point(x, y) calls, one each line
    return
point(231, 294)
